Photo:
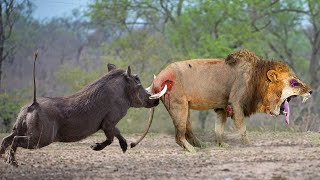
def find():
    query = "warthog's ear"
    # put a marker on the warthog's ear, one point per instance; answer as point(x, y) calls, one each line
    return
point(129, 71)
point(111, 67)
point(272, 75)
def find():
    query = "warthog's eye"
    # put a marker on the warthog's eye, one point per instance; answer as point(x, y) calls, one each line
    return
point(294, 83)
point(137, 79)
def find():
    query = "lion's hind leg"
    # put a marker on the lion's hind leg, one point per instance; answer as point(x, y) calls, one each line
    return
point(191, 138)
point(179, 112)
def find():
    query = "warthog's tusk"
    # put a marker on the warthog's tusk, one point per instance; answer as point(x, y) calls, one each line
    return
point(148, 89)
point(158, 95)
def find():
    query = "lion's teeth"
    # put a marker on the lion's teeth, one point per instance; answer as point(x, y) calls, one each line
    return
point(305, 98)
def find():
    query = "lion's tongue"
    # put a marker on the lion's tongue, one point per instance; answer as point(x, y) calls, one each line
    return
point(286, 111)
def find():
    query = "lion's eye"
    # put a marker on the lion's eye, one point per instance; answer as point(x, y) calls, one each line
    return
point(294, 83)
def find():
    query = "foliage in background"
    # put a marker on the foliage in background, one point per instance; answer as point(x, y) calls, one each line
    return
point(10, 103)
point(75, 78)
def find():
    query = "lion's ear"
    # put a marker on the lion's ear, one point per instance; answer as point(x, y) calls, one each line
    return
point(230, 60)
point(272, 75)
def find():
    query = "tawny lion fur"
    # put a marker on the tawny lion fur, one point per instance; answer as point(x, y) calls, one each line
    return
point(244, 80)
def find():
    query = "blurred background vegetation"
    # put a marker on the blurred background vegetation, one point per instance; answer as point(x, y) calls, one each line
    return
point(148, 35)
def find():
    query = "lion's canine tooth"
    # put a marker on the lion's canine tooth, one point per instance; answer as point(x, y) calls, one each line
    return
point(306, 97)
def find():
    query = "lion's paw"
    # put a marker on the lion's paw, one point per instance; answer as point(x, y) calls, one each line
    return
point(245, 140)
point(190, 149)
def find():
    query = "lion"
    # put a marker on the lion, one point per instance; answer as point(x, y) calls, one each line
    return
point(243, 80)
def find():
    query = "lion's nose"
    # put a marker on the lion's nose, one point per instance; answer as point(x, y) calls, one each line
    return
point(310, 92)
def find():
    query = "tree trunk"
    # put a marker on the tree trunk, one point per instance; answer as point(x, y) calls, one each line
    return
point(1, 44)
point(79, 51)
point(314, 66)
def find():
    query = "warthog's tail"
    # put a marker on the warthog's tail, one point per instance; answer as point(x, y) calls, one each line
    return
point(34, 78)
point(146, 130)
point(35, 104)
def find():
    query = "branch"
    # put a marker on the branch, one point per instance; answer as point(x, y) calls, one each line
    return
point(261, 28)
point(274, 49)
point(7, 53)
point(288, 10)
point(273, 3)
point(179, 8)
point(168, 12)
point(9, 16)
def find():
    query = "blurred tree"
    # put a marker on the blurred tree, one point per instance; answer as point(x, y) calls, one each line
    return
point(148, 35)
point(313, 33)
point(10, 11)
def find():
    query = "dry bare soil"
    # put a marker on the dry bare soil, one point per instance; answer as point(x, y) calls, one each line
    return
point(271, 155)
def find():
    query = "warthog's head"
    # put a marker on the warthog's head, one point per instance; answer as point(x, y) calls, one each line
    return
point(284, 85)
point(138, 96)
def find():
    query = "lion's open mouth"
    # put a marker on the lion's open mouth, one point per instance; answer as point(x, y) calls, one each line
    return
point(285, 108)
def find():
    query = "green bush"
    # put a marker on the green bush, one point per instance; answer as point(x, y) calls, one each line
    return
point(10, 104)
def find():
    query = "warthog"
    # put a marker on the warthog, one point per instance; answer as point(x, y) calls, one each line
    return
point(99, 105)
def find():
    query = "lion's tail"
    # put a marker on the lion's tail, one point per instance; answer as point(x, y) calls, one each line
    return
point(132, 145)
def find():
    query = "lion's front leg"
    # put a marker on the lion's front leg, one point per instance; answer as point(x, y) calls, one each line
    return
point(219, 127)
point(239, 121)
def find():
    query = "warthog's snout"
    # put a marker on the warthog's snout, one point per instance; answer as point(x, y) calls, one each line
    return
point(152, 102)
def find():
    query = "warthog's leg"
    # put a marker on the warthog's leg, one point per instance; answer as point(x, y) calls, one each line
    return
point(122, 140)
point(110, 133)
point(27, 142)
point(191, 138)
point(179, 111)
point(219, 127)
point(6, 142)
point(110, 136)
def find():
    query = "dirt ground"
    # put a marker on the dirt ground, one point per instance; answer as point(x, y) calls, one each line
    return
point(271, 155)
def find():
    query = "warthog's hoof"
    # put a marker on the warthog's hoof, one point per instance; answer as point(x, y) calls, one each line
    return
point(11, 161)
point(124, 146)
point(2, 152)
point(97, 147)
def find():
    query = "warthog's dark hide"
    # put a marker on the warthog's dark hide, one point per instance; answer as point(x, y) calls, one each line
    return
point(99, 105)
